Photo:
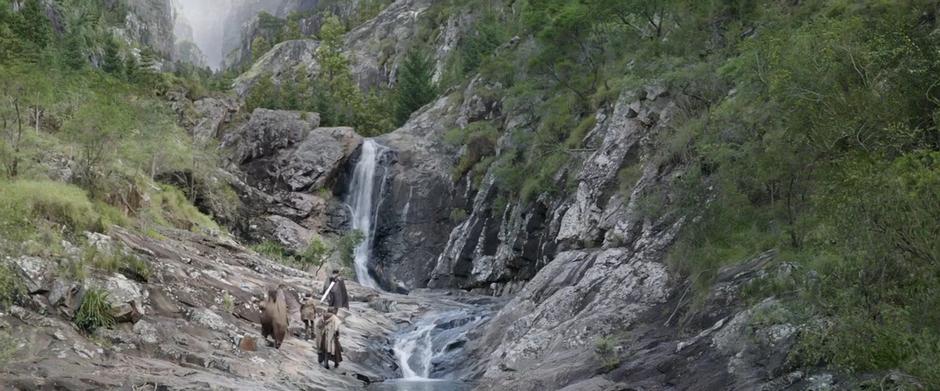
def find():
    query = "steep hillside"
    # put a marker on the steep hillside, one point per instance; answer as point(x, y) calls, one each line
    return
point(529, 195)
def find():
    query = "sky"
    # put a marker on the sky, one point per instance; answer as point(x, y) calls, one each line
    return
point(207, 19)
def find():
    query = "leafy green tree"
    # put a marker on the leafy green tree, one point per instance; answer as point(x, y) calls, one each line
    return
point(415, 88)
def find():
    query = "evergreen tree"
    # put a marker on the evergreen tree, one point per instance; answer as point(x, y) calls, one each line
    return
point(113, 63)
point(73, 52)
point(33, 24)
point(344, 95)
point(259, 46)
point(415, 88)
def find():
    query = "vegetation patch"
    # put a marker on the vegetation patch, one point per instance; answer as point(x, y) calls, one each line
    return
point(11, 287)
point(94, 312)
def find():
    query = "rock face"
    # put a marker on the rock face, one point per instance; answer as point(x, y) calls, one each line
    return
point(286, 166)
point(211, 115)
point(281, 63)
point(374, 48)
point(414, 216)
point(150, 23)
point(377, 47)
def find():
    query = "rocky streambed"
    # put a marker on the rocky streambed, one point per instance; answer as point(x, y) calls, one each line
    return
point(196, 325)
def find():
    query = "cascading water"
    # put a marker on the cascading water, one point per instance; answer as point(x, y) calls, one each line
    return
point(431, 352)
point(364, 202)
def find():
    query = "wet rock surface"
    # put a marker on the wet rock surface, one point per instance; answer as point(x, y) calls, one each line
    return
point(199, 327)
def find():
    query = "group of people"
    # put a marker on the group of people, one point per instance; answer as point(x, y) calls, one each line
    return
point(323, 326)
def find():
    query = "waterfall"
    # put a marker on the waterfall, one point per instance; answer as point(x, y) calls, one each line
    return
point(364, 203)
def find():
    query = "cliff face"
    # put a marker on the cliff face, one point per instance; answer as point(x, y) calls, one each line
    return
point(151, 24)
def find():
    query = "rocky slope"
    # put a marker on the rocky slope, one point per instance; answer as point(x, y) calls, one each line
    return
point(193, 323)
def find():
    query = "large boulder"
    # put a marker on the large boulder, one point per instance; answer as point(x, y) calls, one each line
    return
point(269, 131)
point(316, 160)
point(211, 115)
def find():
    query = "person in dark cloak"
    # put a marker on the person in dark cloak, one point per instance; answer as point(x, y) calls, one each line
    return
point(338, 296)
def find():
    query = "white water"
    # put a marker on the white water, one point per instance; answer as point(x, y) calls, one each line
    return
point(364, 204)
point(431, 349)
point(415, 351)
point(404, 212)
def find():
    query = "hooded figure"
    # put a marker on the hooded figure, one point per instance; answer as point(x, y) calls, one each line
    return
point(308, 314)
point(274, 316)
point(338, 297)
point(327, 344)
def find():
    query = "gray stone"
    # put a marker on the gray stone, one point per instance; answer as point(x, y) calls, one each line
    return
point(269, 131)
point(317, 159)
point(208, 319)
point(38, 274)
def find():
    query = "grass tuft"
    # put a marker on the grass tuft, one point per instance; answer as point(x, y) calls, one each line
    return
point(94, 312)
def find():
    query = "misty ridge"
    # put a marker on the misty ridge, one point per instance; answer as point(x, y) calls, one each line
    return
point(215, 26)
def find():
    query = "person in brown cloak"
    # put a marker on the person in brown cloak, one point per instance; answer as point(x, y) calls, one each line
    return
point(328, 347)
point(308, 314)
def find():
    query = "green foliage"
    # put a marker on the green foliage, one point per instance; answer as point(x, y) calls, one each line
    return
point(11, 287)
point(113, 63)
point(606, 353)
point(333, 93)
point(170, 207)
point(8, 347)
point(272, 249)
point(415, 88)
point(314, 254)
point(347, 246)
point(26, 206)
point(94, 312)
point(126, 264)
point(479, 139)
point(228, 302)
point(482, 41)
point(458, 215)
point(259, 46)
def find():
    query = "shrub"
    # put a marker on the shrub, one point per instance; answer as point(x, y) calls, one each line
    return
point(347, 246)
point(228, 302)
point(11, 289)
point(272, 249)
point(127, 264)
point(314, 254)
point(606, 353)
point(458, 215)
point(94, 312)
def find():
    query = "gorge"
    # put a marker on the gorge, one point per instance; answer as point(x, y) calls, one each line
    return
point(521, 195)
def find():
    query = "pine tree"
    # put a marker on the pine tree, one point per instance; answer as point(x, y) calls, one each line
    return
point(33, 24)
point(344, 97)
point(415, 88)
point(113, 63)
point(73, 54)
